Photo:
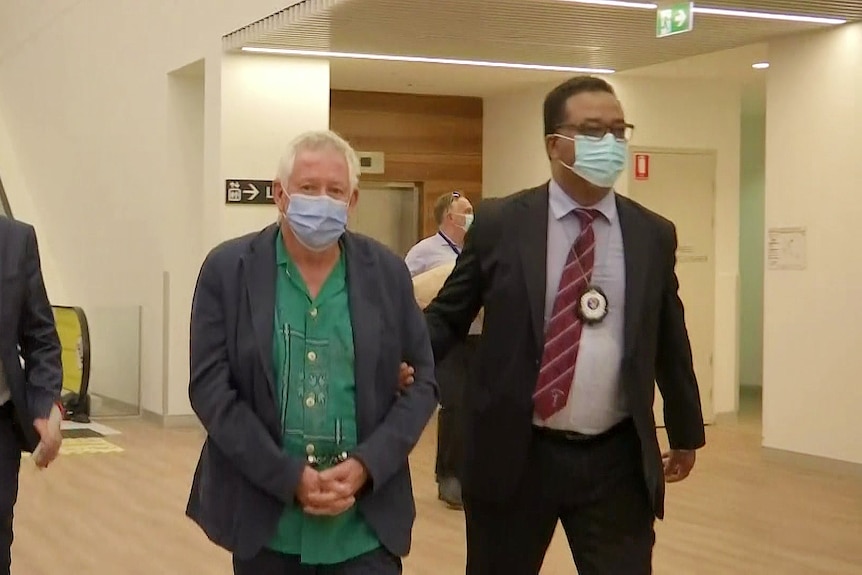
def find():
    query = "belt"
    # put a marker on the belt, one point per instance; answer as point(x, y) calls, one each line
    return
point(576, 437)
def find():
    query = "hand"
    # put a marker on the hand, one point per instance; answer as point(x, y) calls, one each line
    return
point(677, 464)
point(405, 377)
point(338, 488)
point(316, 500)
point(51, 438)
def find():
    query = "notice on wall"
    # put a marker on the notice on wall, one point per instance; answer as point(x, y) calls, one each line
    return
point(786, 249)
point(686, 254)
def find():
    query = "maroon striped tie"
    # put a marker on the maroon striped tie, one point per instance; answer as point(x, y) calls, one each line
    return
point(563, 334)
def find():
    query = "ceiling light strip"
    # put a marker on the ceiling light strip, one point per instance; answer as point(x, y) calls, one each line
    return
point(767, 16)
point(425, 60)
point(718, 12)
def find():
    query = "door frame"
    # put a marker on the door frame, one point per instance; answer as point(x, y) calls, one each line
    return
point(708, 411)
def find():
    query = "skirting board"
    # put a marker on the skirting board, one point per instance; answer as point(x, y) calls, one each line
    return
point(812, 462)
point(172, 420)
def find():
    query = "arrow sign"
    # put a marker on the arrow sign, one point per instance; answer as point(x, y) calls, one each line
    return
point(674, 19)
point(252, 192)
point(248, 192)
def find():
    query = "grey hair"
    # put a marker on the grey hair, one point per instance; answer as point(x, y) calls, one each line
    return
point(317, 140)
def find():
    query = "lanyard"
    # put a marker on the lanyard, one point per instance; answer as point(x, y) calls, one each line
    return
point(451, 244)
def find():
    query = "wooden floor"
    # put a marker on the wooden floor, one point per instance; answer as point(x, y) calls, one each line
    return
point(740, 513)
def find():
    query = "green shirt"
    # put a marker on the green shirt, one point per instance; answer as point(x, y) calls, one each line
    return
point(314, 368)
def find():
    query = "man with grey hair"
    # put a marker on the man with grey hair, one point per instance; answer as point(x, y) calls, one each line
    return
point(297, 335)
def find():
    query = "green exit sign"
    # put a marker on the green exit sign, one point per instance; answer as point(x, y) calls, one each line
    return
point(674, 19)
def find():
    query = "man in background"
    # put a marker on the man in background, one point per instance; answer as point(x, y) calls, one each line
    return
point(297, 335)
point(29, 393)
point(453, 214)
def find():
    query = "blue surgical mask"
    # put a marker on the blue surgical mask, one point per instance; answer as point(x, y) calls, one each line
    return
point(317, 221)
point(600, 162)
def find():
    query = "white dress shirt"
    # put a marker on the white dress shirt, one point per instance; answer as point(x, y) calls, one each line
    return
point(430, 253)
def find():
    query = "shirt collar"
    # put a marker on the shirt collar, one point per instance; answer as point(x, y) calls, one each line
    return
point(281, 256)
point(561, 204)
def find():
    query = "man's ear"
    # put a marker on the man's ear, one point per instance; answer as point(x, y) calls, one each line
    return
point(279, 195)
point(550, 142)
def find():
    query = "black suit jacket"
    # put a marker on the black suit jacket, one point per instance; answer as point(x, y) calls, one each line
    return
point(503, 268)
point(27, 330)
point(244, 480)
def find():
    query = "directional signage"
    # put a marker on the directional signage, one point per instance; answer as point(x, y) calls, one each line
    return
point(674, 19)
point(248, 192)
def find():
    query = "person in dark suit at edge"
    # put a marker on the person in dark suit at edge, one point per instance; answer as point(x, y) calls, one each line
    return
point(297, 335)
point(582, 318)
point(28, 393)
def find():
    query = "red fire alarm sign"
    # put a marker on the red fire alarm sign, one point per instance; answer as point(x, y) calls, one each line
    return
point(641, 166)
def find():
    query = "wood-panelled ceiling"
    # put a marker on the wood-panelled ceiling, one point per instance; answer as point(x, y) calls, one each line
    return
point(555, 32)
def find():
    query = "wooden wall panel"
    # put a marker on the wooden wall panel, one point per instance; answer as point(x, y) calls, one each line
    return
point(434, 141)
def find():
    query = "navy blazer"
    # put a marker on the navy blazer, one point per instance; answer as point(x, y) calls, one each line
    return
point(244, 481)
point(27, 330)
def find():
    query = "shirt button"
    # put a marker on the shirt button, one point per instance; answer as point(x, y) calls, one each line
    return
point(309, 449)
point(313, 312)
point(312, 356)
point(309, 401)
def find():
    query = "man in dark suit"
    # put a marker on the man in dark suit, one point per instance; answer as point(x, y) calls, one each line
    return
point(582, 317)
point(297, 334)
point(29, 393)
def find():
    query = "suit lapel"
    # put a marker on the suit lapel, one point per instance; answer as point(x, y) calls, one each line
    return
point(534, 255)
point(635, 247)
point(364, 289)
point(260, 269)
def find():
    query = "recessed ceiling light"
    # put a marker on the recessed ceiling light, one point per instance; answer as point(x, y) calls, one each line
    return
point(426, 60)
point(760, 65)
point(718, 12)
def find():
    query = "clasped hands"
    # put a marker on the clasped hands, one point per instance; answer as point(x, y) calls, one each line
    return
point(332, 491)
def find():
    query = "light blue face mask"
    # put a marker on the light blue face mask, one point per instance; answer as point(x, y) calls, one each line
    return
point(600, 162)
point(468, 221)
point(316, 221)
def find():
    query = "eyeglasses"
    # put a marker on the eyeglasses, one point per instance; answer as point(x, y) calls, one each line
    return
point(593, 131)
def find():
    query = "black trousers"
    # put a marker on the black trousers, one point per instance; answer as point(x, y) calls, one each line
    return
point(10, 463)
point(379, 562)
point(594, 487)
point(453, 374)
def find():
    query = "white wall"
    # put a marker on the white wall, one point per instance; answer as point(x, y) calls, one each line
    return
point(266, 101)
point(667, 114)
point(88, 106)
point(23, 208)
point(812, 333)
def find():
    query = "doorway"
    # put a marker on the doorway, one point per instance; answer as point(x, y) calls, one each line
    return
point(389, 213)
point(680, 185)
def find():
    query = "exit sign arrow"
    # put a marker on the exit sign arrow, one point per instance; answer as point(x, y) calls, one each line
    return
point(674, 19)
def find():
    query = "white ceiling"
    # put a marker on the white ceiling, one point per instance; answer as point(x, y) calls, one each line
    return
point(376, 76)
point(555, 32)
